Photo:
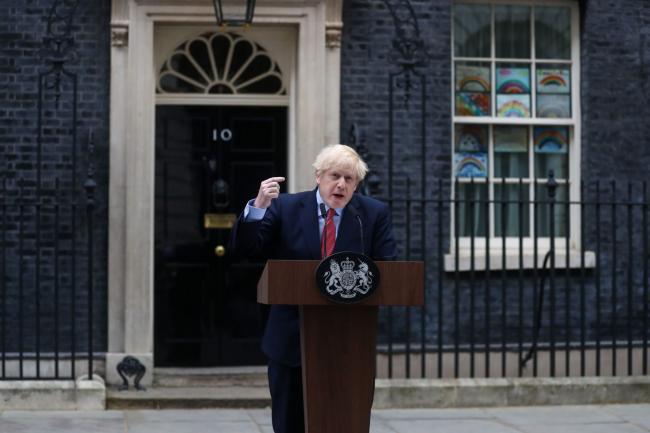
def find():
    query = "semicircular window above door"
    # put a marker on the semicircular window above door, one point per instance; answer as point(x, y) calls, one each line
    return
point(220, 63)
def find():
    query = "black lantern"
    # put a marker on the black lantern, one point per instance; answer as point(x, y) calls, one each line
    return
point(234, 22)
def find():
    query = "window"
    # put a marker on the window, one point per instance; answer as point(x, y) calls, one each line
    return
point(515, 118)
point(220, 63)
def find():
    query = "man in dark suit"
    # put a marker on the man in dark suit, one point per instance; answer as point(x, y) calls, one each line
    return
point(308, 225)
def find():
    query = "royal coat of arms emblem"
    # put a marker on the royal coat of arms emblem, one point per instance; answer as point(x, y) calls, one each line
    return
point(347, 277)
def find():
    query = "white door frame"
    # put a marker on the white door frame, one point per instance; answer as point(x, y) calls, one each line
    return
point(313, 123)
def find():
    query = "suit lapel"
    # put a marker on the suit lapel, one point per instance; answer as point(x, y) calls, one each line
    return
point(309, 225)
point(347, 238)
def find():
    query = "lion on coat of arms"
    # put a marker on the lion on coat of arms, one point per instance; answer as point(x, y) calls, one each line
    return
point(344, 280)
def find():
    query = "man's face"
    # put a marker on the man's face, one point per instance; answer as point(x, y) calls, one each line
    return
point(336, 186)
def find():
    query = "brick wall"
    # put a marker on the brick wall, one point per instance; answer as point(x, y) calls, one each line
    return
point(614, 88)
point(615, 52)
point(615, 57)
point(29, 212)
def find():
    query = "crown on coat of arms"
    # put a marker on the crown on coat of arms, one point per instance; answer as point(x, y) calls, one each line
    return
point(347, 264)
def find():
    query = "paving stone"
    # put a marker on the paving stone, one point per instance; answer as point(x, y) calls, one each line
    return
point(637, 414)
point(379, 426)
point(551, 415)
point(194, 427)
point(450, 426)
point(571, 419)
point(43, 424)
point(429, 413)
point(191, 421)
point(584, 428)
point(260, 416)
point(195, 415)
point(64, 414)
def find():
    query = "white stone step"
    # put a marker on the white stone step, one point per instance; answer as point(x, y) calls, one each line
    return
point(217, 377)
point(189, 397)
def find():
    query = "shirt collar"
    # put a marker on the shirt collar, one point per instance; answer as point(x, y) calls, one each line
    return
point(319, 200)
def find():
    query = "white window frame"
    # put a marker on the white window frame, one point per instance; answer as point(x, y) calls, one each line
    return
point(573, 180)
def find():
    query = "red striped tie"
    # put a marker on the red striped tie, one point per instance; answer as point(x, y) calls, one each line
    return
point(329, 235)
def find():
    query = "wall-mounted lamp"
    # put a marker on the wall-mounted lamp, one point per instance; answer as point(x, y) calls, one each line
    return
point(234, 22)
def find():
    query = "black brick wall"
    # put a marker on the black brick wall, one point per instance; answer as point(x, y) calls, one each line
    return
point(23, 25)
point(615, 60)
point(615, 52)
point(615, 49)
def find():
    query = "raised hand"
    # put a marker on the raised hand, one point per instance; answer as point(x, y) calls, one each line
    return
point(269, 189)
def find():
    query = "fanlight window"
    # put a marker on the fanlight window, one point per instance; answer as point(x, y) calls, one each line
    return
point(220, 63)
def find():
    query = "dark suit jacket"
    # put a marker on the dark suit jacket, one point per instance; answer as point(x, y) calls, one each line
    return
point(289, 230)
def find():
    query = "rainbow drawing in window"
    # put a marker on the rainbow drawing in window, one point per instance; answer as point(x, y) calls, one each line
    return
point(473, 104)
point(551, 139)
point(513, 80)
point(471, 78)
point(513, 105)
point(471, 164)
point(554, 106)
point(471, 138)
point(553, 80)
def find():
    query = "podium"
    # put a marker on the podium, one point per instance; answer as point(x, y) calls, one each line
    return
point(338, 341)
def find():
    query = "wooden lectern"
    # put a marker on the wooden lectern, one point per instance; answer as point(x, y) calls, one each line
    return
point(338, 341)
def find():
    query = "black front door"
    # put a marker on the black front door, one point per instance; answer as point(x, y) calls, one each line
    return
point(209, 162)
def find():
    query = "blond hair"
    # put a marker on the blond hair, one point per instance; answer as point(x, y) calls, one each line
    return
point(340, 156)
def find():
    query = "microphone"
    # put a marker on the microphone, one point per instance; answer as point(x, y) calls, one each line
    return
point(323, 213)
point(355, 214)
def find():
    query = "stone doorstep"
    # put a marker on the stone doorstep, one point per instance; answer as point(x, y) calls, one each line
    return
point(210, 377)
point(52, 395)
point(219, 387)
point(194, 397)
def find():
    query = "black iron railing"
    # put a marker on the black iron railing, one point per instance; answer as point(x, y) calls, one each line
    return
point(46, 304)
point(46, 279)
point(46, 225)
point(564, 293)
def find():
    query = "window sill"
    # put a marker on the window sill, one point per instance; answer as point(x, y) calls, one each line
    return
point(512, 260)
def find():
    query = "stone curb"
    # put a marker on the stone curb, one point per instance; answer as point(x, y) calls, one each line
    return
point(447, 393)
point(389, 394)
point(52, 395)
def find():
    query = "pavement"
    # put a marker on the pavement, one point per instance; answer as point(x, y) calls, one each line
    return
point(537, 419)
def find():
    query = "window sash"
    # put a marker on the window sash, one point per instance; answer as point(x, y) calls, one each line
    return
point(573, 181)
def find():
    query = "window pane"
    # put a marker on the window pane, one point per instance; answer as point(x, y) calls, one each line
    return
point(554, 106)
point(472, 89)
point(559, 210)
point(553, 91)
point(471, 209)
point(182, 64)
point(513, 90)
point(472, 30)
point(512, 31)
point(511, 209)
point(470, 151)
point(172, 83)
point(511, 151)
point(552, 32)
point(551, 145)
